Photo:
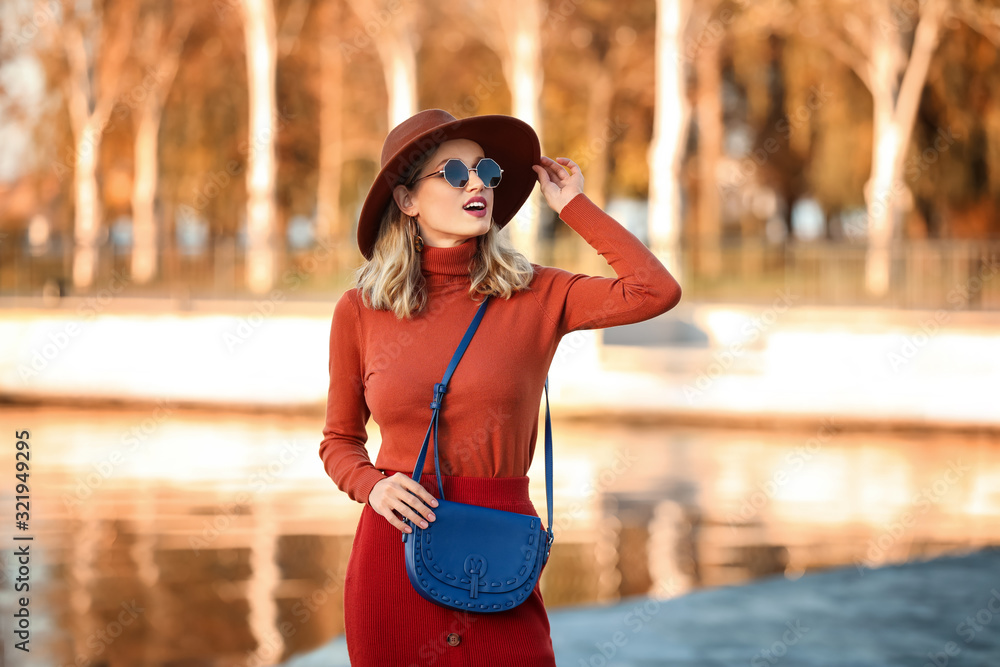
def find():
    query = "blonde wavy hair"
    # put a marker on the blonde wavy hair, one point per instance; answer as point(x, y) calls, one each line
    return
point(391, 279)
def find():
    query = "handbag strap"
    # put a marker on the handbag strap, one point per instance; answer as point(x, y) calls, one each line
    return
point(439, 391)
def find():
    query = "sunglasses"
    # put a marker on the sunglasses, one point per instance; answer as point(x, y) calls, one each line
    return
point(457, 174)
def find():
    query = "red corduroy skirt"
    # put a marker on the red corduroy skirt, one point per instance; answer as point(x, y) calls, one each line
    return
point(387, 624)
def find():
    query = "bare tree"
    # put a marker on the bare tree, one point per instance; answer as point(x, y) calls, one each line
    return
point(888, 46)
point(261, 54)
point(609, 64)
point(390, 26)
point(670, 123)
point(709, 119)
point(158, 52)
point(331, 227)
point(895, 79)
point(517, 43)
point(96, 45)
point(292, 24)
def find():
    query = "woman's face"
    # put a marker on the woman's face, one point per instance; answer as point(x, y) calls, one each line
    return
point(448, 216)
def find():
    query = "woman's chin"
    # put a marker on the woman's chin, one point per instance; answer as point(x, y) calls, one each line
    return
point(475, 227)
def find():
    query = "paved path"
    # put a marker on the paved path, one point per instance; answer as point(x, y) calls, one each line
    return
point(942, 613)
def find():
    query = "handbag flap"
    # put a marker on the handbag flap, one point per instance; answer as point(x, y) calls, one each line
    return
point(478, 548)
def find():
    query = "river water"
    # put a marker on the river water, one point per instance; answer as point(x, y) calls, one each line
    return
point(166, 535)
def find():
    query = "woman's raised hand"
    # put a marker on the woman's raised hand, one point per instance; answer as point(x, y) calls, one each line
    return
point(400, 493)
point(558, 185)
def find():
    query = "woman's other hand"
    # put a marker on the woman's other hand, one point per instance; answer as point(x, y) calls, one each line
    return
point(558, 185)
point(400, 493)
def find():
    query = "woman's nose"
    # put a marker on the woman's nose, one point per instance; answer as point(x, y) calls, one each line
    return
point(475, 183)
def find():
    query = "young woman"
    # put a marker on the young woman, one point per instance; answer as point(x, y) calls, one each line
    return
point(430, 233)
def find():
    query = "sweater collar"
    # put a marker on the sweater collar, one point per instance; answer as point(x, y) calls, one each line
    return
point(452, 261)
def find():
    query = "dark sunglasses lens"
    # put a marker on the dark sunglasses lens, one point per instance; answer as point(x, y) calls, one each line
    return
point(489, 172)
point(456, 173)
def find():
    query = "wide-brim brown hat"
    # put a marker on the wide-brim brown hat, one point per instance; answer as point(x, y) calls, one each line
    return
point(508, 140)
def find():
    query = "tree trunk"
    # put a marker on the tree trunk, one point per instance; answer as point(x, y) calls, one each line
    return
point(162, 58)
point(90, 89)
point(332, 228)
point(709, 113)
point(600, 132)
point(396, 52)
point(895, 107)
point(521, 25)
point(882, 193)
point(669, 131)
point(144, 241)
point(261, 54)
point(87, 207)
point(402, 82)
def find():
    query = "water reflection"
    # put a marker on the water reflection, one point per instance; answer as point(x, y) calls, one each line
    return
point(165, 535)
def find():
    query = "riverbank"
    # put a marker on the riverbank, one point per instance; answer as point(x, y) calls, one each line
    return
point(939, 612)
point(773, 366)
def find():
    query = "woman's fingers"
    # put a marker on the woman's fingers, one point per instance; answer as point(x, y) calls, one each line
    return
point(544, 178)
point(569, 164)
point(411, 514)
point(401, 494)
point(562, 170)
point(555, 170)
point(543, 175)
point(420, 499)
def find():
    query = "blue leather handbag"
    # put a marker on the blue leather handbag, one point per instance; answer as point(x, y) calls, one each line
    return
point(470, 557)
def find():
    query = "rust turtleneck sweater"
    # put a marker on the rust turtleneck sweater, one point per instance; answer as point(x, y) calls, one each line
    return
point(386, 368)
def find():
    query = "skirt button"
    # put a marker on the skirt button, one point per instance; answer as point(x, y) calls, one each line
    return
point(454, 639)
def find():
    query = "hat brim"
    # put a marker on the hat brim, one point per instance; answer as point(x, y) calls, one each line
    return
point(508, 140)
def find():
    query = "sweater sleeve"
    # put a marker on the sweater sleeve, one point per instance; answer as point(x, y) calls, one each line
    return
point(642, 289)
point(342, 450)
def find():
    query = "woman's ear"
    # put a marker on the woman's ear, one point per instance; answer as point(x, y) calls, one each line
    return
point(404, 200)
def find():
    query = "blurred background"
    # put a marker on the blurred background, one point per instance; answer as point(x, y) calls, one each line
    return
point(179, 189)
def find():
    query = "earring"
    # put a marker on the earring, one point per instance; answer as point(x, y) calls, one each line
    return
point(418, 243)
